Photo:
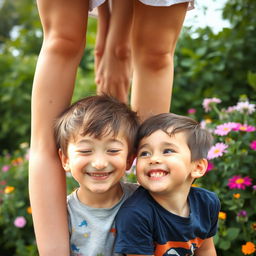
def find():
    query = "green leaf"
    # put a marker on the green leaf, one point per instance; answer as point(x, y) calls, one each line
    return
point(251, 78)
point(232, 233)
point(225, 245)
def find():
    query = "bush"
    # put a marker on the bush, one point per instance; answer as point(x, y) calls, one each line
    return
point(231, 173)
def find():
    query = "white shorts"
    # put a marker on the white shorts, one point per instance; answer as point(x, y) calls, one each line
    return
point(96, 3)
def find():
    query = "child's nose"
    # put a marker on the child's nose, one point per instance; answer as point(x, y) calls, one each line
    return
point(155, 159)
point(99, 164)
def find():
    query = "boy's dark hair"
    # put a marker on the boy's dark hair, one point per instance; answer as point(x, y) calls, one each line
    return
point(96, 116)
point(199, 140)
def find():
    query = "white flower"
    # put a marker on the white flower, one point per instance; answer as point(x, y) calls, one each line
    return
point(245, 106)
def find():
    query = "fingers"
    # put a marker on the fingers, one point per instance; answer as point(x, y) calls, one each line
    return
point(116, 88)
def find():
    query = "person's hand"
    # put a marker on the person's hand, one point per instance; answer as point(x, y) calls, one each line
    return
point(114, 73)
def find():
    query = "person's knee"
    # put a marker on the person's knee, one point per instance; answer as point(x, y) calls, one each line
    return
point(122, 51)
point(64, 44)
point(155, 58)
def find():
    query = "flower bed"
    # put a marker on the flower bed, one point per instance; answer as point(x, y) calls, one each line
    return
point(231, 174)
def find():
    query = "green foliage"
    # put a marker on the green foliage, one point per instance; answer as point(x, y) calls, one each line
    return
point(232, 173)
point(20, 42)
point(15, 91)
point(216, 65)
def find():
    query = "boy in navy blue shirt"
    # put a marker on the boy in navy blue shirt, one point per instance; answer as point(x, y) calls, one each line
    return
point(166, 216)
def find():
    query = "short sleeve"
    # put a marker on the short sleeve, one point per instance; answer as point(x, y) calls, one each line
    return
point(134, 232)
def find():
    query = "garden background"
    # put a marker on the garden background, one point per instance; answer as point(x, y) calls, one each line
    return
point(214, 68)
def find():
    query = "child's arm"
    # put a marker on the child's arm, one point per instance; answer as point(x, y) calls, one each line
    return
point(207, 248)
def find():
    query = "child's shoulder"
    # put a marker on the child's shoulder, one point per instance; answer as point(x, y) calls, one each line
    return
point(204, 196)
point(138, 198)
point(137, 207)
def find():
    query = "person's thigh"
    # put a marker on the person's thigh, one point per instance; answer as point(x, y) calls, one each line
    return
point(64, 19)
point(157, 28)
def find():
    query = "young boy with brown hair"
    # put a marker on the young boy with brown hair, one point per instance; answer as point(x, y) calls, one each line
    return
point(166, 215)
point(96, 138)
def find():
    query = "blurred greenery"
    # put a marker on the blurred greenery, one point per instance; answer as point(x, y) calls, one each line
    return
point(216, 65)
point(207, 65)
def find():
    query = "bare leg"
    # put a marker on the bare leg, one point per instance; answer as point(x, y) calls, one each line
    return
point(102, 31)
point(114, 72)
point(64, 24)
point(154, 36)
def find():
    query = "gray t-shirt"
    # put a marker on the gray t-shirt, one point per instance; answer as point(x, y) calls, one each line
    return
point(92, 230)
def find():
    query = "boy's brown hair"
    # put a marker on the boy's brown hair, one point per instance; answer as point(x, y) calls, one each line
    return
point(96, 116)
point(199, 140)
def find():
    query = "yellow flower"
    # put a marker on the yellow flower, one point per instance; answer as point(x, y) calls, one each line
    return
point(8, 189)
point(237, 195)
point(208, 120)
point(29, 210)
point(248, 248)
point(222, 215)
point(195, 185)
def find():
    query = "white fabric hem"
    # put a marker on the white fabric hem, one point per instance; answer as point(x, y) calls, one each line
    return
point(95, 3)
point(167, 2)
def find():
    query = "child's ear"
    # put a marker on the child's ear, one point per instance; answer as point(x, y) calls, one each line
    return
point(130, 161)
point(64, 160)
point(199, 168)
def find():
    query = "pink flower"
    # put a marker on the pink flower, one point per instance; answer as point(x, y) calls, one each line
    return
point(238, 182)
point(210, 166)
point(225, 128)
point(191, 111)
point(5, 168)
point(231, 109)
point(20, 222)
point(244, 128)
point(217, 150)
point(208, 102)
point(242, 213)
point(253, 145)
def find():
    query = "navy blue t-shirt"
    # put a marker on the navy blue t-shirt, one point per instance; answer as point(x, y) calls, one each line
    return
point(145, 227)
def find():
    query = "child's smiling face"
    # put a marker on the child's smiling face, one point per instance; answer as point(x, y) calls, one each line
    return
point(97, 164)
point(164, 162)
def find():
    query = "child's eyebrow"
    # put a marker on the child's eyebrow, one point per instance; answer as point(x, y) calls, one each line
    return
point(85, 141)
point(165, 144)
point(115, 141)
point(143, 146)
point(168, 144)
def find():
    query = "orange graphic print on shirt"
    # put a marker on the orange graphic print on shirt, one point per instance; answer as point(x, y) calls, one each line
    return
point(178, 248)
